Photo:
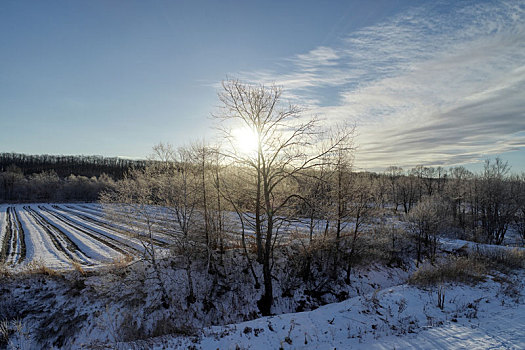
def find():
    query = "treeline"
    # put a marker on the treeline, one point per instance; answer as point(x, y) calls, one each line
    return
point(47, 186)
point(64, 166)
point(59, 178)
point(480, 206)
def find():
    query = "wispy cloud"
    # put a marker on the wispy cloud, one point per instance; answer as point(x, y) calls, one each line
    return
point(441, 84)
point(321, 56)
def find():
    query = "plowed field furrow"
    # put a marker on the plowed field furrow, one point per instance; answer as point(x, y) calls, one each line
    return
point(160, 224)
point(106, 225)
point(160, 220)
point(21, 240)
point(7, 241)
point(108, 241)
point(137, 220)
point(13, 250)
point(232, 235)
point(59, 239)
point(75, 212)
point(14, 246)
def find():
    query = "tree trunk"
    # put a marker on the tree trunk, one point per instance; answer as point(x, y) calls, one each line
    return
point(258, 233)
point(266, 301)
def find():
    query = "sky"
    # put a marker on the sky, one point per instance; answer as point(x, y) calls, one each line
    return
point(436, 83)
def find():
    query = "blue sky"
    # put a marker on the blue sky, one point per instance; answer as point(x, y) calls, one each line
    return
point(433, 83)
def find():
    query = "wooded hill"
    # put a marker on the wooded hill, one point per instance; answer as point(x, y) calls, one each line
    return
point(64, 166)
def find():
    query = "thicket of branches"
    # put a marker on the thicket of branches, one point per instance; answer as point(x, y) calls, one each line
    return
point(232, 198)
point(480, 206)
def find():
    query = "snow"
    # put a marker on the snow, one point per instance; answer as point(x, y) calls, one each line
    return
point(93, 249)
point(501, 329)
point(124, 240)
point(455, 244)
point(2, 221)
point(401, 317)
point(39, 246)
point(133, 224)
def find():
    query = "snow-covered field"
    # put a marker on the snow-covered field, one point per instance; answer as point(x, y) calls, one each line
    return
point(59, 235)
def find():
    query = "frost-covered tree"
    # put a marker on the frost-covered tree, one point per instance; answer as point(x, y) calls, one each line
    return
point(497, 201)
point(426, 220)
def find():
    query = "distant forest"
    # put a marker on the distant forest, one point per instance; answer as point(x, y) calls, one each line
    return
point(64, 166)
point(46, 177)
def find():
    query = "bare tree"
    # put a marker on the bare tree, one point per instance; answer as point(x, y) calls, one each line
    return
point(407, 191)
point(457, 190)
point(360, 207)
point(426, 220)
point(10, 180)
point(161, 204)
point(284, 141)
point(381, 189)
point(394, 173)
point(519, 218)
point(340, 184)
point(497, 207)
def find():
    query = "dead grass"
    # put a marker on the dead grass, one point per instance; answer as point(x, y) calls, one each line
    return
point(4, 271)
point(78, 267)
point(121, 261)
point(38, 267)
point(501, 259)
point(453, 269)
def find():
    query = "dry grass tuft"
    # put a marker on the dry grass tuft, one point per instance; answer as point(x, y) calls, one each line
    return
point(38, 267)
point(78, 267)
point(4, 271)
point(453, 269)
point(501, 259)
point(470, 268)
point(121, 261)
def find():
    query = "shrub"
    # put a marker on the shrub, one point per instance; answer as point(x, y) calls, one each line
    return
point(385, 244)
point(426, 220)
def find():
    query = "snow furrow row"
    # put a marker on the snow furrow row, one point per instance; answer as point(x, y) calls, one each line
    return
point(13, 248)
point(162, 225)
point(161, 220)
point(20, 237)
point(98, 236)
point(60, 240)
point(108, 225)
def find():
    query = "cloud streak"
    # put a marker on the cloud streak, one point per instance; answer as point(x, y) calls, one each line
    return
point(437, 85)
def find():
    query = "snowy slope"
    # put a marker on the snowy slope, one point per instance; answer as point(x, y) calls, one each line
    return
point(400, 317)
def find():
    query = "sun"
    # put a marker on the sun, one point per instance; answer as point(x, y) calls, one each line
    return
point(245, 140)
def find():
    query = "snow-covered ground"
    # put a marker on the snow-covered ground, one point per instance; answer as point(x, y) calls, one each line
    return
point(382, 312)
point(487, 316)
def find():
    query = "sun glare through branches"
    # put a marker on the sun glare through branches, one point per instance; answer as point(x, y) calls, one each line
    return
point(245, 140)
